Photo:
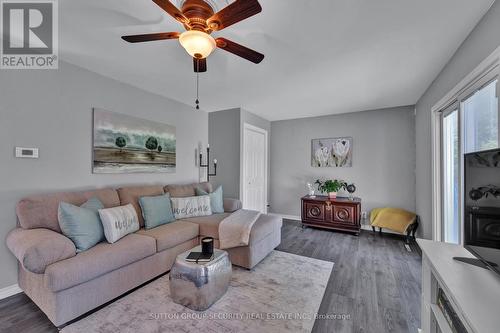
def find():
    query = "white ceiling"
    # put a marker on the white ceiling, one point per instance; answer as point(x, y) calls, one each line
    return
point(322, 56)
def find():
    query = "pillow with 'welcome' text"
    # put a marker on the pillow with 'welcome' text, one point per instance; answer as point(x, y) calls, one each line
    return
point(119, 222)
point(191, 206)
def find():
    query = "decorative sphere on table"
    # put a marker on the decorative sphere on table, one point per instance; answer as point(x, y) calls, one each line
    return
point(351, 188)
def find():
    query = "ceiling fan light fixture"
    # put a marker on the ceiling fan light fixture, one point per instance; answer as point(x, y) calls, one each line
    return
point(197, 43)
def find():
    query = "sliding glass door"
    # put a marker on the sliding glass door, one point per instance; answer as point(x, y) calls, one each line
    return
point(470, 124)
point(451, 177)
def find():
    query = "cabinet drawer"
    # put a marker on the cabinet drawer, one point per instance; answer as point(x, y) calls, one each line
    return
point(315, 211)
point(344, 214)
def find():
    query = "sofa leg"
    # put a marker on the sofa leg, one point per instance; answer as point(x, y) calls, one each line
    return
point(380, 230)
point(373, 228)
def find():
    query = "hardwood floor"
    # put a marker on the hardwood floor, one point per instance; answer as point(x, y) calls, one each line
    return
point(375, 284)
point(18, 314)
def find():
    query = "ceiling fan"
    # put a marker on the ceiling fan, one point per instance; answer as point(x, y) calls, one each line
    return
point(200, 21)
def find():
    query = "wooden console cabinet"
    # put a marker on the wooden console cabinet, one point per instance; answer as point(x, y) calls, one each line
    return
point(338, 214)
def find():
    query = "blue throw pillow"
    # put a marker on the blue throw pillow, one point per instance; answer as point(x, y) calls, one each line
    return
point(156, 210)
point(82, 224)
point(216, 199)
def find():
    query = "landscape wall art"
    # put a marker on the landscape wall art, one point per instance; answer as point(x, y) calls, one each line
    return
point(127, 144)
point(331, 152)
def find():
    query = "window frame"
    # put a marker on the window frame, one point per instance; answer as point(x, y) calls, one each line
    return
point(454, 107)
point(480, 77)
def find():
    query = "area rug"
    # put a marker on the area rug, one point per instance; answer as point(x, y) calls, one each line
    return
point(281, 294)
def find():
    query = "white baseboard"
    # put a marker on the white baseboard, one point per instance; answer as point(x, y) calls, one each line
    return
point(10, 291)
point(287, 217)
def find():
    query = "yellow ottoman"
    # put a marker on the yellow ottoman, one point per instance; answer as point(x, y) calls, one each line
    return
point(395, 219)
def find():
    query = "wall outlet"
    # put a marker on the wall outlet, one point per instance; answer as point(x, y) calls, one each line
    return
point(363, 215)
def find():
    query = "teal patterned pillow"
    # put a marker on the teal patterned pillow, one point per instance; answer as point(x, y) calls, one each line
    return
point(216, 199)
point(156, 210)
point(82, 224)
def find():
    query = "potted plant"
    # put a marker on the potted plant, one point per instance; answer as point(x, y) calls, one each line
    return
point(331, 186)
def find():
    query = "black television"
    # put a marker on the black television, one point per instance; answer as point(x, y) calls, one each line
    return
point(482, 208)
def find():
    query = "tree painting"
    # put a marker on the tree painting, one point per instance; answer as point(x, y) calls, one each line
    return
point(152, 143)
point(127, 144)
point(120, 142)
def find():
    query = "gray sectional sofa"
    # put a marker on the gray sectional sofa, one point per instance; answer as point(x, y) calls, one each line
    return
point(66, 285)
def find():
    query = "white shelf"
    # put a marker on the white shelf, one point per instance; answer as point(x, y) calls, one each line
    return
point(473, 292)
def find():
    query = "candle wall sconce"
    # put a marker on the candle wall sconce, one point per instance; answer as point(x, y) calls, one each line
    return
point(207, 165)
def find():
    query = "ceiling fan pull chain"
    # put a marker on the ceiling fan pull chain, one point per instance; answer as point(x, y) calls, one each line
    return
point(197, 89)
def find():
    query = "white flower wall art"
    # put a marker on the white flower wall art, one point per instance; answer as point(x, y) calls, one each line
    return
point(332, 152)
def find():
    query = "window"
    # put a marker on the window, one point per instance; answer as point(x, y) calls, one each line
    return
point(470, 124)
point(480, 112)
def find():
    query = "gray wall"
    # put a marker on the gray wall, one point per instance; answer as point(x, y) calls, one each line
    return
point(383, 158)
point(52, 110)
point(225, 130)
point(224, 138)
point(482, 41)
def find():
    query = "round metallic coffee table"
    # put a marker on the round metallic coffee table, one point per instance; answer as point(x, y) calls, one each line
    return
point(198, 286)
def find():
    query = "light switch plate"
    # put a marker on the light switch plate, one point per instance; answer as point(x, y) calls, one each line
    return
point(22, 152)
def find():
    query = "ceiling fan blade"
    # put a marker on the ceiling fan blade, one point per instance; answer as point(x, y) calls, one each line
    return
point(169, 7)
point(151, 37)
point(200, 65)
point(240, 50)
point(234, 13)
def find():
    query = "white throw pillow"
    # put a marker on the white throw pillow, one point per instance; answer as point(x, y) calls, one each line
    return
point(191, 206)
point(118, 222)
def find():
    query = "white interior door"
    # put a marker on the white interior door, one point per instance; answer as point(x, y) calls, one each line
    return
point(254, 180)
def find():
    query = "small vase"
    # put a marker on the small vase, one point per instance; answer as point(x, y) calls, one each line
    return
point(332, 195)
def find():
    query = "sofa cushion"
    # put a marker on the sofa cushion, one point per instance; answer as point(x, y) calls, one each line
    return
point(209, 225)
point(131, 195)
point(191, 207)
point(38, 248)
point(265, 225)
point(216, 199)
point(40, 211)
point(172, 234)
point(188, 190)
point(82, 224)
point(119, 222)
point(97, 261)
point(231, 205)
point(156, 210)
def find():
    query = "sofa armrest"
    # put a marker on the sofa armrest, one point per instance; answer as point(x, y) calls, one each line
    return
point(231, 205)
point(38, 248)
